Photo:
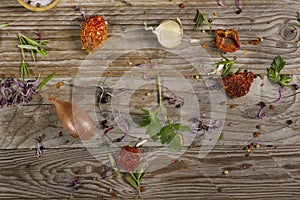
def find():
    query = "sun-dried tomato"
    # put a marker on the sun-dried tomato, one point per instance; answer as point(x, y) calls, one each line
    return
point(238, 85)
point(129, 158)
point(227, 40)
point(93, 33)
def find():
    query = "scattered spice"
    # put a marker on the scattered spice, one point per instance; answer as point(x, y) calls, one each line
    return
point(58, 85)
point(182, 5)
point(112, 193)
point(256, 134)
point(232, 106)
point(254, 42)
point(271, 107)
point(289, 122)
point(60, 134)
point(227, 40)
point(257, 126)
point(226, 172)
point(203, 45)
point(245, 52)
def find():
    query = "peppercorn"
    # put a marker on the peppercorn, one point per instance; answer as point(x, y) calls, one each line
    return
point(258, 126)
point(104, 99)
point(29, 2)
point(38, 5)
point(182, 5)
point(225, 172)
point(271, 107)
point(289, 122)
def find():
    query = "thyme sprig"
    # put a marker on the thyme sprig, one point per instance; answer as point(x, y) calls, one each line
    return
point(135, 179)
point(34, 46)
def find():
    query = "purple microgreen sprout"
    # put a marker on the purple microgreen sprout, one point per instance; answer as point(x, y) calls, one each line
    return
point(39, 150)
point(280, 94)
point(104, 174)
point(294, 86)
point(75, 184)
point(124, 124)
point(145, 77)
point(106, 132)
point(103, 97)
point(174, 100)
point(83, 15)
point(220, 3)
point(260, 114)
point(239, 7)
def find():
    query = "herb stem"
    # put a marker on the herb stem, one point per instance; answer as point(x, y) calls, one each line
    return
point(159, 91)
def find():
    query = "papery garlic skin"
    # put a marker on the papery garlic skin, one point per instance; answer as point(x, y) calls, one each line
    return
point(169, 33)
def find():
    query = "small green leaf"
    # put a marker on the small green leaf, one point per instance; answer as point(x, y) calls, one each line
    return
point(180, 127)
point(176, 142)
point(113, 164)
point(155, 126)
point(3, 25)
point(154, 137)
point(165, 134)
point(29, 47)
point(131, 181)
point(285, 80)
point(45, 81)
point(278, 64)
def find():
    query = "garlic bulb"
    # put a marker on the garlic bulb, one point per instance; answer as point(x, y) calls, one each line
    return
point(169, 33)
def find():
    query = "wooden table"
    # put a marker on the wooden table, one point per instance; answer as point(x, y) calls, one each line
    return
point(271, 171)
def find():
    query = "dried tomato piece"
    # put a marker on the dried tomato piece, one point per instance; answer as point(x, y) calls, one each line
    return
point(227, 40)
point(93, 33)
point(129, 158)
point(238, 85)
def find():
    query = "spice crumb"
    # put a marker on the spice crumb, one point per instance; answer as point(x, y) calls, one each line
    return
point(257, 126)
point(245, 52)
point(232, 106)
point(249, 150)
point(203, 45)
point(289, 122)
point(226, 172)
point(182, 5)
point(215, 14)
point(256, 134)
point(271, 107)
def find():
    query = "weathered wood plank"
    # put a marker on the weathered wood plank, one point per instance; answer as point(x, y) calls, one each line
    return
point(265, 175)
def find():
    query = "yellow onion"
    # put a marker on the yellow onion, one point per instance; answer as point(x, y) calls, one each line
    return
point(74, 119)
point(169, 33)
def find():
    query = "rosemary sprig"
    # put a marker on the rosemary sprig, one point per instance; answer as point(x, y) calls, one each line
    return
point(4, 25)
point(227, 65)
point(34, 46)
point(201, 20)
point(135, 179)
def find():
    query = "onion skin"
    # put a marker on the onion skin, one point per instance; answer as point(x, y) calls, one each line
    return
point(74, 119)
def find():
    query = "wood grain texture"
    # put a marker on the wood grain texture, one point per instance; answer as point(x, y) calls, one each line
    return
point(270, 172)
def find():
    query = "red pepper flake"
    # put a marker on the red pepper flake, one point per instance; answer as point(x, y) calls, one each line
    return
point(262, 84)
point(238, 85)
point(182, 5)
point(203, 45)
point(227, 40)
point(129, 158)
point(58, 85)
point(256, 134)
point(232, 106)
point(174, 161)
point(229, 124)
point(271, 107)
point(254, 42)
point(112, 193)
point(142, 188)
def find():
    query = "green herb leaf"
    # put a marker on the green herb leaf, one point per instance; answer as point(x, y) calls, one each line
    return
point(4, 25)
point(45, 81)
point(180, 127)
point(298, 16)
point(131, 181)
point(155, 126)
point(176, 142)
point(274, 72)
point(29, 47)
point(113, 164)
point(165, 134)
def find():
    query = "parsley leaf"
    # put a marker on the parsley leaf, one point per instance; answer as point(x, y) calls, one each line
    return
point(274, 72)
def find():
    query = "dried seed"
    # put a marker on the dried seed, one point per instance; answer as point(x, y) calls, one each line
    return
point(232, 106)
point(226, 172)
point(256, 134)
point(289, 122)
